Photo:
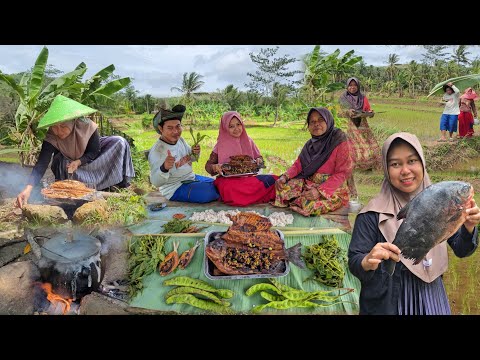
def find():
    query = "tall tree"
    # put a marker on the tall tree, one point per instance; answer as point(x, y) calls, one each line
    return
point(434, 52)
point(460, 55)
point(148, 98)
point(190, 83)
point(271, 70)
point(231, 96)
point(131, 95)
point(392, 65)
point(279, 95)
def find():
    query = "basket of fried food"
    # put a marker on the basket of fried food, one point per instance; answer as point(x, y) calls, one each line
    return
point(240, 165)
point(68, 191)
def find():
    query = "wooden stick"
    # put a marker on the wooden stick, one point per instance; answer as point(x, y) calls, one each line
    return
point(288, 233)
point(281, 228)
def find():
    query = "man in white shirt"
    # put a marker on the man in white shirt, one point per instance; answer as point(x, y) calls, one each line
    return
point(449, 119)
point(171, 162)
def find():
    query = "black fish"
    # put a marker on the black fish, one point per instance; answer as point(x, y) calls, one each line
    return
point(431, 218)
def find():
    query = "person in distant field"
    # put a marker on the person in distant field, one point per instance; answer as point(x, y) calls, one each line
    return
point(449, 118)
point(468, 112)
point(233, 140)
point(170, 160)
point(316, 182)
point(412, 289)
point(365, 148)
point(77, 148)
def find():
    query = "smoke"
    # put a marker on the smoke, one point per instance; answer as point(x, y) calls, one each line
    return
point(13, 179)
point(114, 240)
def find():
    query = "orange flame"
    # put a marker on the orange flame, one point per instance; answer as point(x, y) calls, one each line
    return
point(56, 299)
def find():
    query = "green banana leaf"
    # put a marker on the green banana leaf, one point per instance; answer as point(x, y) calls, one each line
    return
point(461, 82)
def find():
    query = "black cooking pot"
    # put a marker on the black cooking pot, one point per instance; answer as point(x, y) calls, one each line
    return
point(72, 264)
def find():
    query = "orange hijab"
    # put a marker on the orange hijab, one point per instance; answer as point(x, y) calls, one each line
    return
point(74, 145)
point(390, 201)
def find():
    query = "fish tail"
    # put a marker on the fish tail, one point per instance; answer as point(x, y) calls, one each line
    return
point(390, 266)
point(294, 255)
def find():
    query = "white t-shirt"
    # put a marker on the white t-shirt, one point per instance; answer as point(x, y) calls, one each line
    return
point(170, 181)
point(452, 107)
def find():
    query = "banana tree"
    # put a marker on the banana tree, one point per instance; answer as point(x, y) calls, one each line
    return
point(36, 99)
point(95, 88)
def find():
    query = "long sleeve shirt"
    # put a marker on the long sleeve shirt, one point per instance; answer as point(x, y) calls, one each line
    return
point(168, 181)
point(452, 102)
point(338, 166)
point(48, 150)
point(380, 291)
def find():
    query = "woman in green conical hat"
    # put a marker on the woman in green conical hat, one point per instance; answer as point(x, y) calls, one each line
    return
point(77, 148)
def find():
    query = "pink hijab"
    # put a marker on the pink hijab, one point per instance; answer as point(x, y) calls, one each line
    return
point(227, 145)
point(470, 94)
point(389, 202)
point(74, 145)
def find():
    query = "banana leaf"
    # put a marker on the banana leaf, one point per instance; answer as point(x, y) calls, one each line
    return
point(461, 82)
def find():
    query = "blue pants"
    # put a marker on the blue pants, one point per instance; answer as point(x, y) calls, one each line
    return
point(449, 123)
point(201, 190)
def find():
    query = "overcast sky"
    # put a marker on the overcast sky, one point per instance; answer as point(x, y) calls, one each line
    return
point(155, 69)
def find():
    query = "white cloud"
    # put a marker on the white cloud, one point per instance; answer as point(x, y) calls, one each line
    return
point(157, 68)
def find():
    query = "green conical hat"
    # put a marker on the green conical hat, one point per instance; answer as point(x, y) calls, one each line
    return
point(63, 109)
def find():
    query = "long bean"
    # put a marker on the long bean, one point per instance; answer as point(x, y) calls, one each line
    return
point(199, 303)
point(191, 290)
point(198, 284)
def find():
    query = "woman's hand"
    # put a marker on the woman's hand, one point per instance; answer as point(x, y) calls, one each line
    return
point(73, 166)
point(311, 194)
point(196, 149)
point(381, 251)
point(217, 168)
point(473, 217)
point(22, 198)
point(351, 113)
point(280, 183)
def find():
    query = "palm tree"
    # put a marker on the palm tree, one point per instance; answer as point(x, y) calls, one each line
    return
point(460, 55)
point(392, 65)
point(190, 83)
point(412, 71)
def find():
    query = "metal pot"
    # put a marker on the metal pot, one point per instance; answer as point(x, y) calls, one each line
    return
point(72, 264)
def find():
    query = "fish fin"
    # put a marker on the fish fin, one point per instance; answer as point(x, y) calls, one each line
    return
point(294, 255)
point(402, 214)
point(390, 266)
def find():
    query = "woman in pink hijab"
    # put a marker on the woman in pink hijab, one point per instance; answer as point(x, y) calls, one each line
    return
point(232, 141)
point(465, 118)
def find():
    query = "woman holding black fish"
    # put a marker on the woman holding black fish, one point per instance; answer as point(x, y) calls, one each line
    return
point(412, 289)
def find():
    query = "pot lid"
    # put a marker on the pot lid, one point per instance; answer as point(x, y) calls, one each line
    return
point(81, 247)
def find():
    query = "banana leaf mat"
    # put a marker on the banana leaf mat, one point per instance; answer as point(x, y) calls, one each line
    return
point(152, 296)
